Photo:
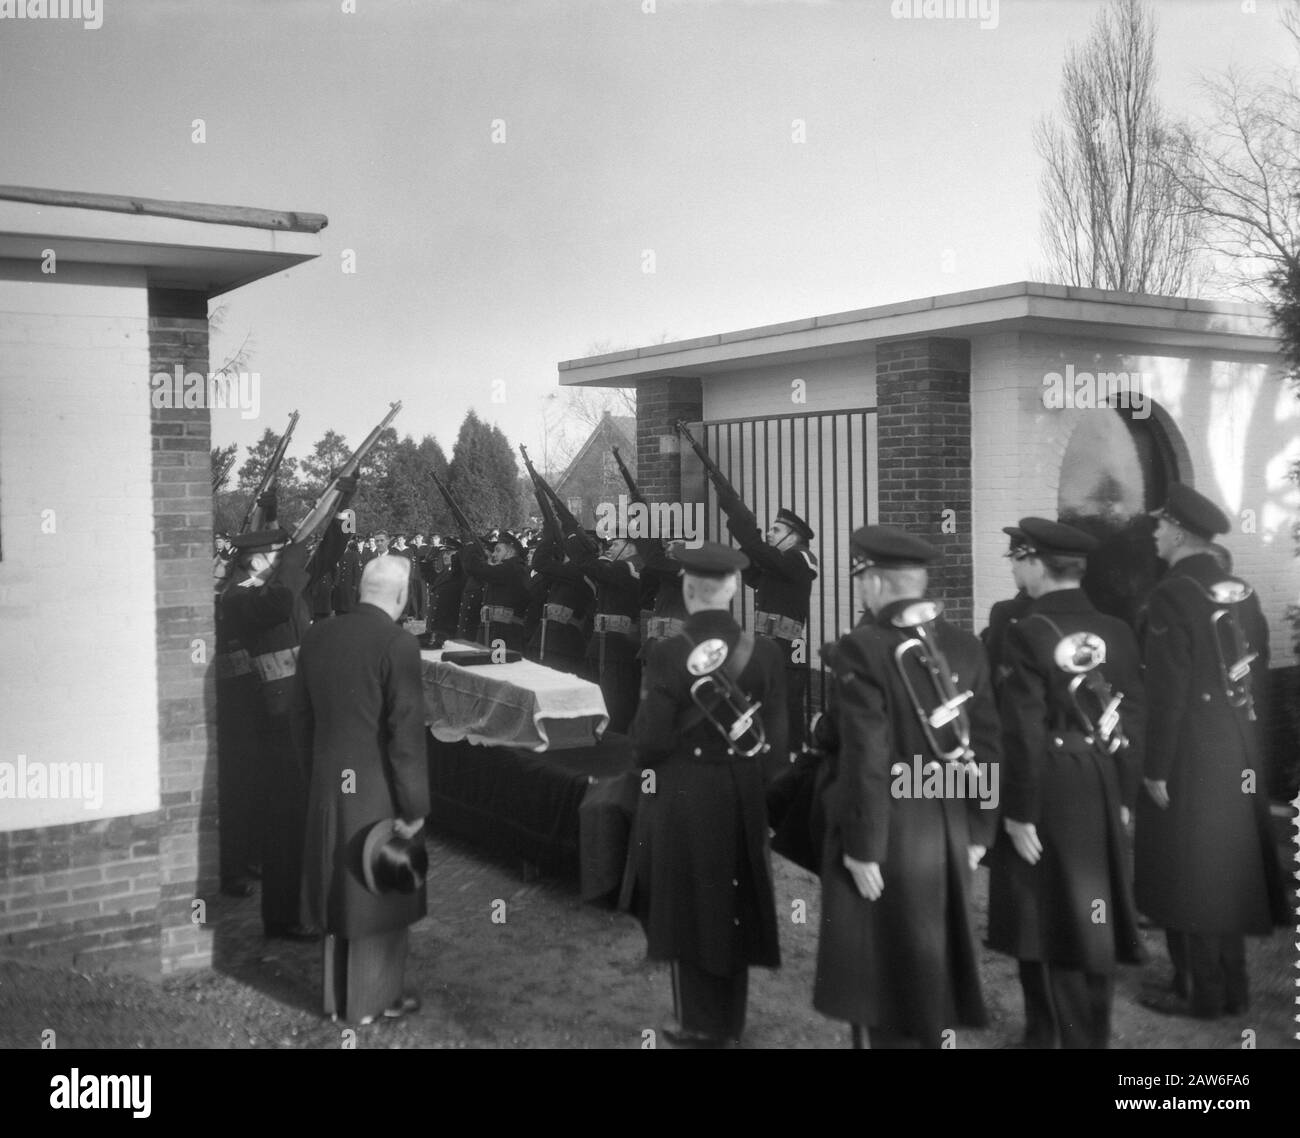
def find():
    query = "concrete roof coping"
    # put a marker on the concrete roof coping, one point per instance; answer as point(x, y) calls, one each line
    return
point(935, 304)
point(157, 207)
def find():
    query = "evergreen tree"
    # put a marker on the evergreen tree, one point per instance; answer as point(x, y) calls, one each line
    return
point(483, 476)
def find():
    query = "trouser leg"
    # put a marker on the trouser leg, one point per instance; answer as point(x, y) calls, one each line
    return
point(707, 1004)
point(1176, 941)
point(1082, 1005)
point(375, 969)
point(1209, 980)
point(1236, 986)
point(1040, 1019)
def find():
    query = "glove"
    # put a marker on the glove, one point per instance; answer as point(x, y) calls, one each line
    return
point(267, 503)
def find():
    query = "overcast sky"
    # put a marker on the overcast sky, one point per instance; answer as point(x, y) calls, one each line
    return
point(624, 131)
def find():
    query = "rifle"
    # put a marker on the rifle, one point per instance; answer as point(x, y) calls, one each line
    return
point(457, 514)
point(633, 490)
point(327, 504)
point(550, 521)
point(220, 476)
point(711, 468)
point(270, 473)
point(568, 522)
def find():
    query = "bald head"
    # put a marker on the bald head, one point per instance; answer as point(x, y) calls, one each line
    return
point(384, 584)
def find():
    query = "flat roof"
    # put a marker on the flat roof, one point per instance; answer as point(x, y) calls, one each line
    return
point(191, 245)
point(1020, 306)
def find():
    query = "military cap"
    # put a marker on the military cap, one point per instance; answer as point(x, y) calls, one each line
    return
point(450, 542)
point(1019, 539)
point(505, 537)
point(1046, 538)
point(1194, 512)
point(712, 559)
point(795, 522)
point(258, 540)
point(888, 547)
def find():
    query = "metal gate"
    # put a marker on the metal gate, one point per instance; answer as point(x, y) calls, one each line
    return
point(822, 465)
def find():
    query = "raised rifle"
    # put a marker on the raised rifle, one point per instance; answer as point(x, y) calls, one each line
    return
point(568, 523)
point(634, 491)
point(711, 468)
point(270, 474)
point(457, 514)
point(550, 520)
point(220, 476)
point(327, 504)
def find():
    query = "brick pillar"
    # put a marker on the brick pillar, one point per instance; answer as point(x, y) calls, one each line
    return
point(182, 482)
point(924, 435)
point(659, 404)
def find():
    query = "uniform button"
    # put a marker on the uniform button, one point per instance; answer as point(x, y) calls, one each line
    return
point(697, 752)
point(735, 881)
point(1088, 739)
point(1205, 696)
point(1057, 740)
point(736, 921)
point(730, 751)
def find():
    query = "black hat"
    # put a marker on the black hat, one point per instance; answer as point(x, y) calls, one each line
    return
point(391, 863)
point(711, 559)
point(1194, 512)
point(1019, 539)
point(888, 547)
point(1046, 538)
point(505, 537)
point(795, 522)
point(260, 539)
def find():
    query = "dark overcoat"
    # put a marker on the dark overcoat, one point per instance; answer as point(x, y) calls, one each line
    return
point(1208, 863)
point(906, 961)
point(701, 869)
point(358, 724)
point(1072, 793)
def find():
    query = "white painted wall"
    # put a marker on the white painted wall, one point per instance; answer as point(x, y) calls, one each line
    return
point(78, 677)
point(1238, 424)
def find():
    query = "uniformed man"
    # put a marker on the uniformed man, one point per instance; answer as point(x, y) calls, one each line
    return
point(612, 654)
point(1206, 867)
point(469, 618)
point(505, 590)
point(1060, 900)
point(268, 611)
point(1003, 614)
point(445, 587)
point(702, 881)
point(663, 612)
point(904, 825)
point(560, 638)
point(781, 572)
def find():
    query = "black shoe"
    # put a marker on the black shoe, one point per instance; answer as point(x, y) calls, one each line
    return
point(291, 932)
point(695, 1040)
point(408, 1005)
point(238, 889)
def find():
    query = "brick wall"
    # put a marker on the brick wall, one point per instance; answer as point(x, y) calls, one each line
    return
point(659, 404)
point(88, 891)
point(923, 428)
point(182, 501)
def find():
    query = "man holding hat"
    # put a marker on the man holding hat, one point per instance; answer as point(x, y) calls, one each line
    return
point(781, 572)
point(700, 879)
point(269, 612)
point(1060, 901)
point(896, 956)
point(1206, 867)
point(358, 724)
point(505, 590)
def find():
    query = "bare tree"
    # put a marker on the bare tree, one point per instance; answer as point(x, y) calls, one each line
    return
point(1240, 168)
point(1114, 214)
